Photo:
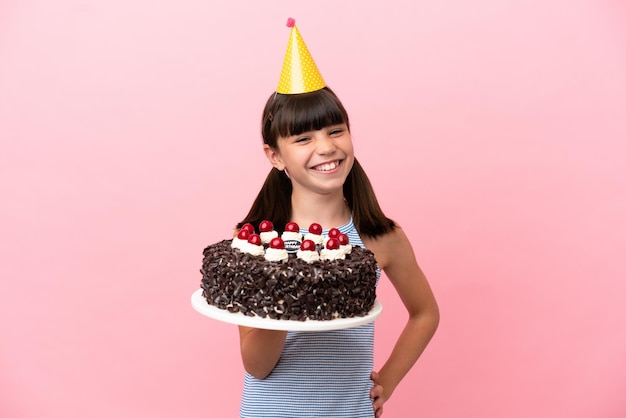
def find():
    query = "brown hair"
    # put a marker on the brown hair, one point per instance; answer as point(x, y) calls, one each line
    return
point(293, 114)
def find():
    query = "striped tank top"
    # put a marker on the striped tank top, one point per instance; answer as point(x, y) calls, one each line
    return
point(319, 374)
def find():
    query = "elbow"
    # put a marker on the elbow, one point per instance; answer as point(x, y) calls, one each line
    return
point(257, 372)
point(427, 319)
point(261, 350)
point(257, 366)
point(433, 317)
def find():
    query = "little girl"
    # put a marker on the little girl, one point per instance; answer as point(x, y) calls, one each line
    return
point(316, 178)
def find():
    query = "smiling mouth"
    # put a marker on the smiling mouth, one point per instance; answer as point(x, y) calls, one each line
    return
point(327, 166)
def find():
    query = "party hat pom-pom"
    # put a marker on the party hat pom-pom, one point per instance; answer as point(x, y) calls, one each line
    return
point(290, 22)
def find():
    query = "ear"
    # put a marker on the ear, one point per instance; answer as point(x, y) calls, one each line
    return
point(273, 156)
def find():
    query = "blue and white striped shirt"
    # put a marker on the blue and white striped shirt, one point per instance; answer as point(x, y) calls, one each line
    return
point(319, 374)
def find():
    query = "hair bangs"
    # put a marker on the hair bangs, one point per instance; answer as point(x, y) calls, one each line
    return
point(310, 113)
point(287, 115)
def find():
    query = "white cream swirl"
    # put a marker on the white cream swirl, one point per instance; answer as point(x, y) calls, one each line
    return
point(307, 255)
point(291, 236)
point(346, 249)
point(246, 247)
point(238, 243)
point(276, 254)
point(266, 237)
point(317, 239)
point(327, 254)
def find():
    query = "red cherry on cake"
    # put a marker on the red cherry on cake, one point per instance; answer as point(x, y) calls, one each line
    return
point(248, 227)
point(315, 229)
point(307, 245)
point(244, 234)
point(254, 239)
point(292, 227)
point(343, 239)
point(333, 233)
point(332, 244)
point(266, 226)
point(277, 243)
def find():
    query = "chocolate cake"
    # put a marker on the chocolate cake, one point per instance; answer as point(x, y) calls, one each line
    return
point(326, 280)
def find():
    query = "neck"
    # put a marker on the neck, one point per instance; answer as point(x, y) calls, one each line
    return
point(328, 210)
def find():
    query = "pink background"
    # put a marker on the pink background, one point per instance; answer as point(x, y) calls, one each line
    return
point(494, 132)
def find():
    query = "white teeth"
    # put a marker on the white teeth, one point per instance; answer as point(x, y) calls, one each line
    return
point(327, 166)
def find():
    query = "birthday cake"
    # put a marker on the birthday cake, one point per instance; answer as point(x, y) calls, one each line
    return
point(291, 276)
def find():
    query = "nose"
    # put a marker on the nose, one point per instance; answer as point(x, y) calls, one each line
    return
point(324, 144)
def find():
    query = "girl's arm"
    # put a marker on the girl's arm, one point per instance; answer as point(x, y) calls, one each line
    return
point(396, 258)
point(260, 350)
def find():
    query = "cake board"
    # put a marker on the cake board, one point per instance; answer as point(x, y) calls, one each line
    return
point(199, 303)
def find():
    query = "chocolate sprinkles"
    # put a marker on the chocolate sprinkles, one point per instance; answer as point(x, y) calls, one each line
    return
point(292, 290)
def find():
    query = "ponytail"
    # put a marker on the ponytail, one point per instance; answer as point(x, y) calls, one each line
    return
point(272, 203)
point(367, 215)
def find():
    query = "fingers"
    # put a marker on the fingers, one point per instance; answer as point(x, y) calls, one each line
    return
point(377, 405)
point(378, 413)
point(376, 394)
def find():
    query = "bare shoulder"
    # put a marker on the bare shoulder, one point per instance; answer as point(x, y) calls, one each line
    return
point(395, 256)
point(390, 247)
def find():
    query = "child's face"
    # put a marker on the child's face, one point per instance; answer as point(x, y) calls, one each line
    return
point(316, 160)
